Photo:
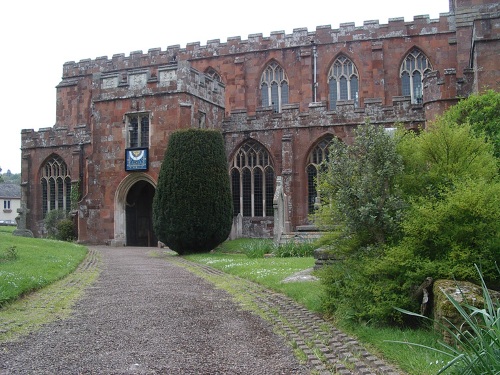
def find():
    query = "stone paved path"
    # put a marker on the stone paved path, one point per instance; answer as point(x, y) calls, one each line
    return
point(163, 315)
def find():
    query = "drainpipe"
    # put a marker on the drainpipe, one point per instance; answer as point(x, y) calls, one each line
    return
point(315, 82)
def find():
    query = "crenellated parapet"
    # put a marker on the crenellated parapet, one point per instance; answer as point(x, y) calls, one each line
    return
point(346, 114)
point(300, 37)
point(55, 137)
point(172, 78)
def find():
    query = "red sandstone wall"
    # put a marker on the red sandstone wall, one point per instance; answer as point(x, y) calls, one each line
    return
point(95, 95)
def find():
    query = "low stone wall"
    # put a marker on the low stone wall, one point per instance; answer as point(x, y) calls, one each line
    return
point(445, 314)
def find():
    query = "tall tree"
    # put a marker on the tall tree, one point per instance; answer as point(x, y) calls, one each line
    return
point(192, 207)
point(357, 185)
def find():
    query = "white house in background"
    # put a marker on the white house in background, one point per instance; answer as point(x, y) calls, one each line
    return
point(10, 201)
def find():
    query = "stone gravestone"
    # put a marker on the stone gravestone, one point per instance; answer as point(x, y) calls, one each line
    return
point(21, 230)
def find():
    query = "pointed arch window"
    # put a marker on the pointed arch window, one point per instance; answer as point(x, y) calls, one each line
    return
point(315, 160)
point(412, 72)
point(343, 82)
point(213, 74)
point(56, 186)
point(252, 181)
point(274, 87)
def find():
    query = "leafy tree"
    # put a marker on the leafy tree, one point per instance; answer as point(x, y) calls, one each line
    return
point(1, 178)
point(482, 112)
point(440, 156)
point(192, 207)
point(357, 186)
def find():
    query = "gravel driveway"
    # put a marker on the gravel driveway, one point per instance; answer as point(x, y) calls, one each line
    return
point(146, 315)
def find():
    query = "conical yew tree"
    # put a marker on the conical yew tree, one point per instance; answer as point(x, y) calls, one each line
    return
point(192, 207)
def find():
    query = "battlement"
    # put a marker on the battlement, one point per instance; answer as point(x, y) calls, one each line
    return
point(318, 115)
point(60, 136)
point(300, 37)
point(151, 80)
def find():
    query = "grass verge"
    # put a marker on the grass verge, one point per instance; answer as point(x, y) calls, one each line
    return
point(65, 271)
point(28, 264)
point(231, 258)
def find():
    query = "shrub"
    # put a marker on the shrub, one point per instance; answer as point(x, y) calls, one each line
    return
point(452, 221)
point(192, 206)
point(51, 220)
point(65, 230)
point(457, 231)
point(482, 113)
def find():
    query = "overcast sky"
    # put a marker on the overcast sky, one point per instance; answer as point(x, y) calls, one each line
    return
point(38, 37)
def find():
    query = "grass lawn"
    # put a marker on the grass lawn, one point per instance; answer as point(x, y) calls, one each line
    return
point(238, 258)
point(28, 264)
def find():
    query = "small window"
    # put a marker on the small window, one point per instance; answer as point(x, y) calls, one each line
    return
point(202, 117)
point(6, 205)
point(138, 130)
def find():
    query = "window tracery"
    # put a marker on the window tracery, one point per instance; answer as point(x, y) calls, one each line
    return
point(317, 156)
point(274, 87)
point(343, 81)
point(252, 181)
point(56, 186)
point(412, 72)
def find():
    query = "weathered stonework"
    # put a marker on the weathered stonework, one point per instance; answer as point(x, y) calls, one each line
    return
point(177, 89)
point(446, 316)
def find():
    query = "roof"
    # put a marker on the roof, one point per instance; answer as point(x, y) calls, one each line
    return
point(10, 191)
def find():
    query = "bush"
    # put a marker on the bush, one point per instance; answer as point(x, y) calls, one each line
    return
point(65, 230)
point(451, 187)
point(457, 231)
point(192, 206)
point(482, 113)
point(51, 221)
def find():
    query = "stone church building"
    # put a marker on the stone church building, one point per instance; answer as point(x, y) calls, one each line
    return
point(277, 100)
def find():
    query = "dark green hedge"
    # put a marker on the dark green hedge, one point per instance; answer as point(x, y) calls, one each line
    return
point(192, 207)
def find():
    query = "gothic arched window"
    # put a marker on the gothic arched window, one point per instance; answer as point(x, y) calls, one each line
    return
point(212, 73)
point(343, 81)
point(274, 87)
point(414, 66)
point(252, 181)
point(56, 186)
point(316, 157)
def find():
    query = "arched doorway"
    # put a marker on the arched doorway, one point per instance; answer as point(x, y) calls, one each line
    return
point(139, 215)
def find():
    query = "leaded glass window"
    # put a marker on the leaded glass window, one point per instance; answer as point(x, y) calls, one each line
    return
point(343, 81)
point(274, 87)
point(317, 156)
point(252, 181)
point(412, 72)
point(56, 186)
point(138, 130)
